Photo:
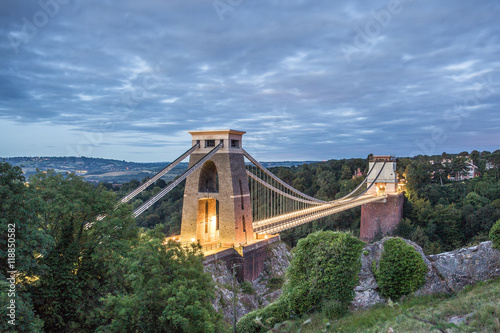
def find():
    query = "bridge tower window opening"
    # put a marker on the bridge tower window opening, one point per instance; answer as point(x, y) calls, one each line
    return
point(209, 179)
point(235, 143)
point(209, 143)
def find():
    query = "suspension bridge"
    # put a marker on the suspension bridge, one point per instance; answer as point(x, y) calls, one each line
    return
point(232, 201)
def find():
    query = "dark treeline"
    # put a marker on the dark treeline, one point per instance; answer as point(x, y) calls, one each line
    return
point(442, 214)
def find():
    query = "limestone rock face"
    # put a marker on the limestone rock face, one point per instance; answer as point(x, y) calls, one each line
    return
point(446, 272)
point(278, 259)
point(467, 266)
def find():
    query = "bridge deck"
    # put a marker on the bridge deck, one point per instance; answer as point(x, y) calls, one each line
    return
point(283, 222)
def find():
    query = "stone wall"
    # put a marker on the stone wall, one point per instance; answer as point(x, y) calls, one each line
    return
point(249, 260)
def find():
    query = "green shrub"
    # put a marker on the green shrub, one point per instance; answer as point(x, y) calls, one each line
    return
point(401, 269)
point(275, 283)
point(276, 312)
point(325, 266)
point(247, 288)
point(495, 235)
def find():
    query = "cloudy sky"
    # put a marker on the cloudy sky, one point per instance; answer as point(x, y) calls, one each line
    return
point(307, 80)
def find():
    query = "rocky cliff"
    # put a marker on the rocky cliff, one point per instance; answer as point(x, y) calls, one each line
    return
point(249, 296)
point(446, 272)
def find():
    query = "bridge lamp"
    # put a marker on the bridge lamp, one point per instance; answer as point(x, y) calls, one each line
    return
point(193, 239)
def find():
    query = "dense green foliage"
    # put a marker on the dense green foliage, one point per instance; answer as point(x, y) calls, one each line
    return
point(15, 212)
point(324, 269)
point(495, 235)
point(325, 265)
point(167, 211)
point(166, 290)
point(441, 214)
point(401, 269)
point(76, 278)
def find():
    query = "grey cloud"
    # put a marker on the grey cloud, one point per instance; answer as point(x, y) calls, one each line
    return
point(164, 67)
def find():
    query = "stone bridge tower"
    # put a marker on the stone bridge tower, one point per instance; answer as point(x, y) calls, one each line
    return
point(217, 205)
point(382, 218)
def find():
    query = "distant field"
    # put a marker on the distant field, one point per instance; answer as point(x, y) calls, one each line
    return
point(118, 173)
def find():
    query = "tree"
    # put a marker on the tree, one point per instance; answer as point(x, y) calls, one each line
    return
point(474, 155)
point(417, 175)
point(167, 291)
point(346, 172)
point(16, 211)
point(458, 166)
point(78, 262)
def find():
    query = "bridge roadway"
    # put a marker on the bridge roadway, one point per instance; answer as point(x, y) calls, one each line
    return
point(283, 222)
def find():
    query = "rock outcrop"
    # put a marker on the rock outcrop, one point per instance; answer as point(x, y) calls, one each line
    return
point(446, 272)
point(463, 267)
point(248, 299)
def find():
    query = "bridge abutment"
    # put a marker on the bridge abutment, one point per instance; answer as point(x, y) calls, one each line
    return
point(381, 217)
point(249, 259)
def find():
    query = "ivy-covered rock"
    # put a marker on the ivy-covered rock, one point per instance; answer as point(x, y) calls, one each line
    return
point(401, 269)
point(324, 270)
point(325, 266)
point(495, 235)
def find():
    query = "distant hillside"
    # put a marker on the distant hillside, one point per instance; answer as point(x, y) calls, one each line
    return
point(108, 170)
point(94, 169)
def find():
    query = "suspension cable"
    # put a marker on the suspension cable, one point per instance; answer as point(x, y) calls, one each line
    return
point(170, 187)
point(159, 175)
point(254, 177)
